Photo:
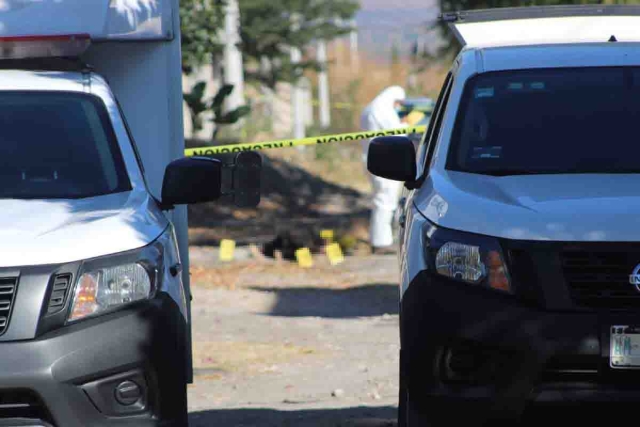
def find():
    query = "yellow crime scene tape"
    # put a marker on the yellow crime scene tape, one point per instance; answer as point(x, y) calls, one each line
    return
point(287, 143)
point(337, 105)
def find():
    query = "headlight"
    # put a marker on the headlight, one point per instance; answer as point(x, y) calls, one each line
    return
point(103, 289)
point(460, 261)
point(108, 283)
point(469, 258)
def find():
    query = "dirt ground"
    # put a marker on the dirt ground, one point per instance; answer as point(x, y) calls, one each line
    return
point(322, 187)
point(278, 345)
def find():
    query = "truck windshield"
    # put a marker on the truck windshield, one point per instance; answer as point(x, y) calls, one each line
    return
point(57, 145)
point(549, 121)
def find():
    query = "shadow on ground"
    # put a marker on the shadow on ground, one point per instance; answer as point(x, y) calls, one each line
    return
point(363, 301)
point(347, 417)
point(292, 200)
point(286, 189)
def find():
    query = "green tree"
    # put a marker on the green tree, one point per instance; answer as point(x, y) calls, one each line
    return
point(451, 45)
point(201, 22)
point(198, 105)
point(267, 30)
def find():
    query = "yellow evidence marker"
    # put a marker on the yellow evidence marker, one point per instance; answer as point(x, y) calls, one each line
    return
point(327, 235)
point(304, 258)
point(227, 247)
point(334, 253)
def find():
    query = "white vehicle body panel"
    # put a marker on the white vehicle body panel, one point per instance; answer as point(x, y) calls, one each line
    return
point(578, 208)
point(38, 81)
point(147, 82)
point(531, 207)
point(143, 73)
point(536, 207)
point(557, 56)
point(575, 29)
point(101, 19)
point(36, 232)
point(136, 48)
point(412, 254)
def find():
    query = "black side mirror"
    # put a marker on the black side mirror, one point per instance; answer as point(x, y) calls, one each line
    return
point(392, 157)
point(204, 179)
point(246, 172)
point(191, 180)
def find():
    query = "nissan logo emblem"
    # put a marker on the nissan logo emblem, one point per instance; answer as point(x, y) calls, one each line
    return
point(634, 278)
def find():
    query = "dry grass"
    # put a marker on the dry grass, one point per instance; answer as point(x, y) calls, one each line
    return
point(339, 164)
point(358, 85)
point(354, 83)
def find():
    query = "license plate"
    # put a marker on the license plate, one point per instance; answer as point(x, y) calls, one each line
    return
point(625, 347)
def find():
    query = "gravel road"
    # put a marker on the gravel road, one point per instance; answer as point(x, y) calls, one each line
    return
point(277, 345)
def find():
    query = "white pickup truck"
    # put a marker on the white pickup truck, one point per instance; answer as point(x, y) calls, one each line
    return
point(94, 289)
point(519, 236)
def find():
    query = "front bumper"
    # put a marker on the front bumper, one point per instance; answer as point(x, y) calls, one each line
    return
point(470, 353)
point(67, 377)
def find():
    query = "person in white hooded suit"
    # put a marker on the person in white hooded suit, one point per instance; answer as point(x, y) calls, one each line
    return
point(382, 113)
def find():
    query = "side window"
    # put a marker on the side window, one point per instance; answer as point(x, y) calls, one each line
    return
point(427, 147)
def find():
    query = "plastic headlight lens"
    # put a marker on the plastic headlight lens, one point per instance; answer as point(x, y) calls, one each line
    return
point(460, 262)
point(475, 264)
point(106, 288)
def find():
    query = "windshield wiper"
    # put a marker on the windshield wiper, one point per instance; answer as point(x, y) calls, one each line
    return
point(513, 172)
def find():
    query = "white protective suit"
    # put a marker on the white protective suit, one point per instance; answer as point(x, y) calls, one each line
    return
point(381, 114)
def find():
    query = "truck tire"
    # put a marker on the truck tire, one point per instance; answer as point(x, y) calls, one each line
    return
point(402, 404)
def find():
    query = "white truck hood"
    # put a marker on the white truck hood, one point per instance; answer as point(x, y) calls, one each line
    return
point(36, 232)
point(535, 207)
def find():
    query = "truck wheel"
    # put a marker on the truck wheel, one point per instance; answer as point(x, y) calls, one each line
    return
point(182, 414)
point(402, 404)
point(173, 406)
point(415, 418)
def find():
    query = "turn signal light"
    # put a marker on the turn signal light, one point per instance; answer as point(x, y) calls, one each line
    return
point(85, 299)
point(497, 272)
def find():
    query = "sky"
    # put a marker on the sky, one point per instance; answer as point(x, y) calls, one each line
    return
point(380, 22)
point(389, 4)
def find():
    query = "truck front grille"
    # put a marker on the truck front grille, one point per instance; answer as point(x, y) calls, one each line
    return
point(8, 287)
point(601, 278)
point(571, 368)
point(25, 405)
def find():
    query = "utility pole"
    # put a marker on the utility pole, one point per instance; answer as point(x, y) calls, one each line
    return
point(338, 44)
point(233, 70)
point(353, 42)
point(323, 84)
point(297, 95)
